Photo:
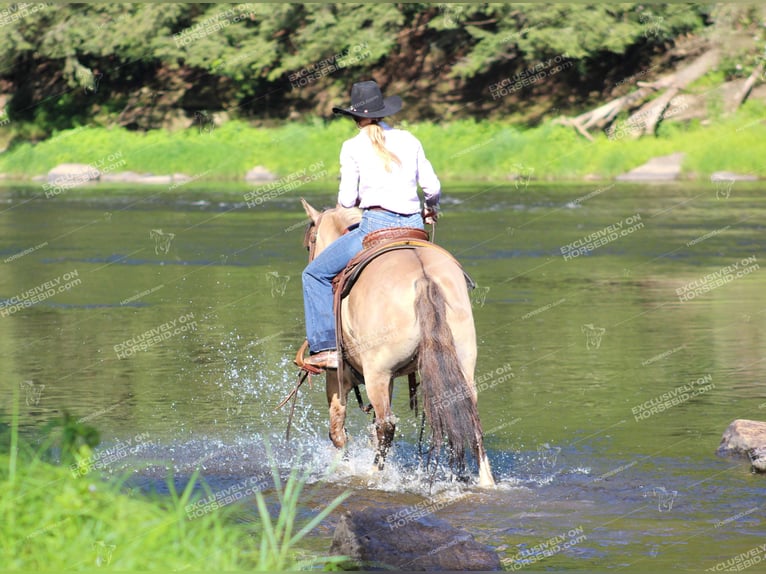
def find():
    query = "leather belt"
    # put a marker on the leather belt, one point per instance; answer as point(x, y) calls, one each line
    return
point(379, 208)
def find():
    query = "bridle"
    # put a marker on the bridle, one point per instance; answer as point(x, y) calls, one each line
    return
point(310, 237)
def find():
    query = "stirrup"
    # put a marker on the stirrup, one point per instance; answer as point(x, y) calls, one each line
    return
point(300, 360)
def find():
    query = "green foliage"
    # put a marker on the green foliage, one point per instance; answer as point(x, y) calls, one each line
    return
point(584, 32)
point(76, 440)
point(463, 150)
point(51, 520)
point(69, 63)
point(62, 523)
point(278, 539)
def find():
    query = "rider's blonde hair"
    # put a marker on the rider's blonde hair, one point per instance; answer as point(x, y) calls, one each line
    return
point(378, 139)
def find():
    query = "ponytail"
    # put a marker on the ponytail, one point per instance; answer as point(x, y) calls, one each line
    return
point(378, 139)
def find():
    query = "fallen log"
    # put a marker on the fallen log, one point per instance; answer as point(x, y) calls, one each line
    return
point(646, 116)
point(747, 87)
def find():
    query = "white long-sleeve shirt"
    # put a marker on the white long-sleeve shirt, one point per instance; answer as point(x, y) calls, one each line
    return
point(363, 175)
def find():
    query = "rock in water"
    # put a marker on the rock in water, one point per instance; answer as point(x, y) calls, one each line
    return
point(259, 174)
point(374, 539)
point(73, 174)
point(758, 458)
point(748, 438)
point(731, 176)
point(664, 168)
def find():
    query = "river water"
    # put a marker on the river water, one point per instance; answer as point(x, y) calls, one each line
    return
point(621, 329)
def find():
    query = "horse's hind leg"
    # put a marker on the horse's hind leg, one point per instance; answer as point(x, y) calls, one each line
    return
point(485, 472)
point(336, 400)
point(379, 388)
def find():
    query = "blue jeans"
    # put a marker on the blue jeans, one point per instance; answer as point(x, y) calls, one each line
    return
point(318, 275)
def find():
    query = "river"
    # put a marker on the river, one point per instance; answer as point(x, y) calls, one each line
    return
point(620, 330)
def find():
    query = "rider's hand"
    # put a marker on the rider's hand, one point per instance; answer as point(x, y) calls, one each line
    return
point(430, 215)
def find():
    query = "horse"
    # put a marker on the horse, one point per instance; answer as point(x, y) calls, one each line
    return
point(409, 311)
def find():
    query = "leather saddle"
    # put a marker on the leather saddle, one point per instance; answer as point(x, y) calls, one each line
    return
point(374, 245)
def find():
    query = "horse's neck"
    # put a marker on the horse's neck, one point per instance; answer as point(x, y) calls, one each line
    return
point(339, 219)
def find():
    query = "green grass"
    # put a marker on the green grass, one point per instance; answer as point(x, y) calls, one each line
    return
point(52, 520)
point(461, 151)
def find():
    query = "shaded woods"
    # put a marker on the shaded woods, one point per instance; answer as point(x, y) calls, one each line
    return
point(144, 66)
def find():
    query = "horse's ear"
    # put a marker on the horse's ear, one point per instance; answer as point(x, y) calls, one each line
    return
point(310, 211)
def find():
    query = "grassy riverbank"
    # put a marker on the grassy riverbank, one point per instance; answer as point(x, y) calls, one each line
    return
point(460, 151)
point(57, 518)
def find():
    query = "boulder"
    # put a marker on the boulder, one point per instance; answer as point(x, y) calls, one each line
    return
point(373, 539)
point(746, 438)
point(662, 168)
point(73, 174)
point(260, 174)
point(758, 458)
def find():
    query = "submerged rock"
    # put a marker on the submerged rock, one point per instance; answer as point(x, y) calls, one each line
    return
point(746, 438)
point(377, 538)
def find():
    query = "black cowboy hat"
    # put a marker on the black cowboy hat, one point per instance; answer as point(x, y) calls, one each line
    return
point(367, 101)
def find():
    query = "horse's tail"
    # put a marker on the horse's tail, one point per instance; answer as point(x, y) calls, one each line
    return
point(447, 398)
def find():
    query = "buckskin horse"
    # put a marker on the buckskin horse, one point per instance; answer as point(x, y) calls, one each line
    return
point(409, 310)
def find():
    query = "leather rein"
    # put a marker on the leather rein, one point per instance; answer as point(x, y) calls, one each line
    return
point(310, 237)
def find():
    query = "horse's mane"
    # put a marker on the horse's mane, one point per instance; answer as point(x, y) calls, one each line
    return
point(343, 217)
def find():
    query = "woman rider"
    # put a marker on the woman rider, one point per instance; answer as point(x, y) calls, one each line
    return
point(380, 169)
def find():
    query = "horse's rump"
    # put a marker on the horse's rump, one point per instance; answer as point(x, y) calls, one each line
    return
point(410, 308)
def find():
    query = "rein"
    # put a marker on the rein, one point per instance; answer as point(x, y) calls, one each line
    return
point(310, 237)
